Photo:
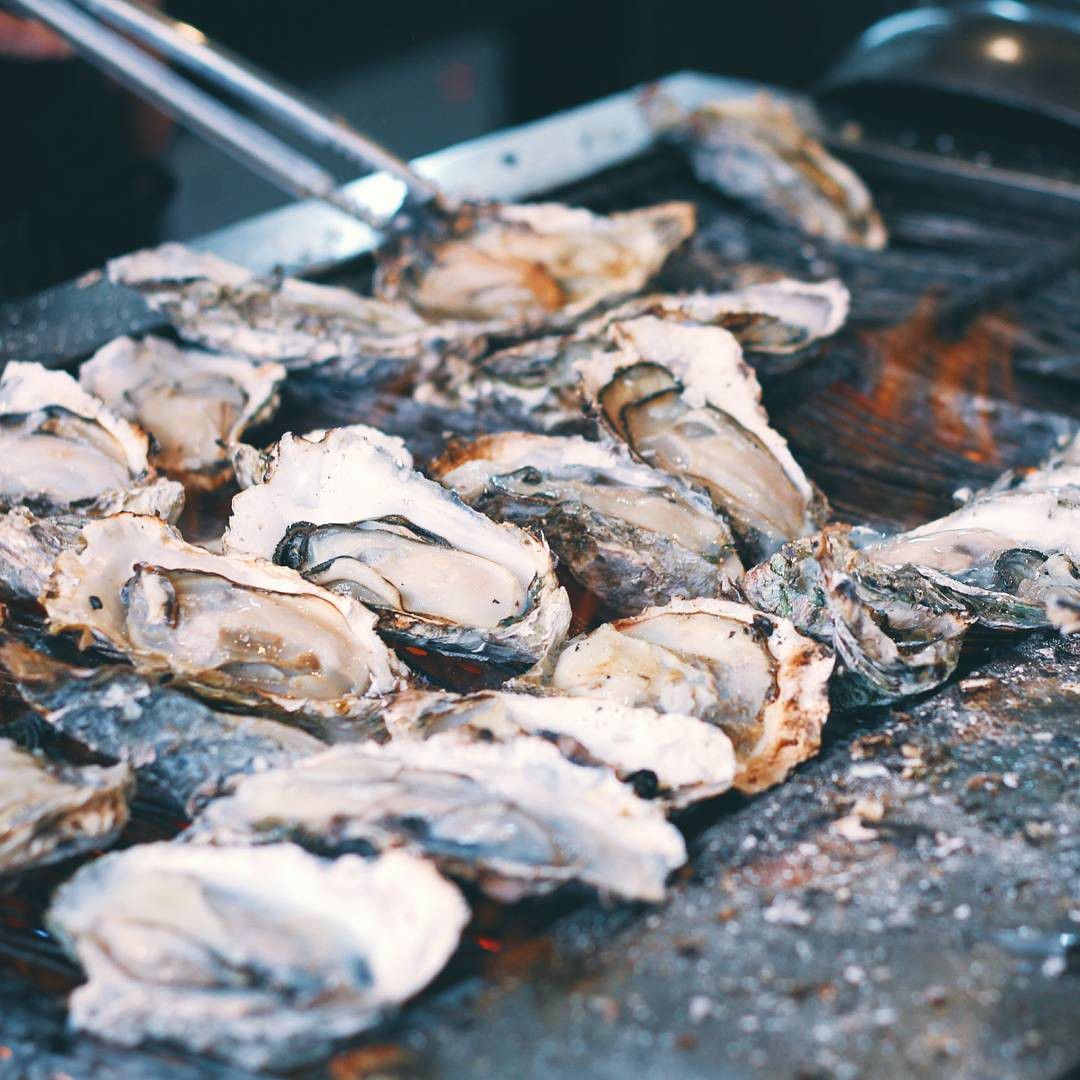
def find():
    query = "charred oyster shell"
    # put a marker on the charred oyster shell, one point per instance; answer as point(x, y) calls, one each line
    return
point(246, 631)
point(629, 534)
point(677, 759)
point(193, 403)
point(516, 816)
point(756, 150)
point(63, 452)
point(51, 811)
point(752, 675)
point(513, 269)
point(682, 399)
point(266, 956)
point(444, 579)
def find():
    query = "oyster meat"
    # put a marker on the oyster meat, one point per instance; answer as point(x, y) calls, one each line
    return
point(513, 269)
point(516, 816)
point(678, 759)
point(756, 150)
point(51, 811)
point(631, 535)
point(752, 675)
point(193, 403)
point(226, 308)
point(444, 579)
point(266, 956)
point(243, 630)
point(683, 400)
point(63, 452)
point(29, 545)
point(182, 751)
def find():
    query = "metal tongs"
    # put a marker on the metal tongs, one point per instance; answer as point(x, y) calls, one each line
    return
point(83, 24)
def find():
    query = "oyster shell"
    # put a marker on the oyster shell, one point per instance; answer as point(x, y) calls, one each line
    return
point(519, 268)
point(444, 579)
point(678, 759)
point(181, 750)
point(683, 400)
point(631, 535)
point(246, 631)
point(756, 150)
point(50, 811)
point(517, 816)
point(194, 404)
point(226, 308)
point(29, 546)
point(266, 956)
point(752, 675)
point(63, 452)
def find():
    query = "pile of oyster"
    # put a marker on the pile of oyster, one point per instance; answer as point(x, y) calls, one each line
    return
point(378, 689)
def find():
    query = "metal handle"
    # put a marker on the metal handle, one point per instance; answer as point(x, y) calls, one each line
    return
point(158, 84)
point(191, 49)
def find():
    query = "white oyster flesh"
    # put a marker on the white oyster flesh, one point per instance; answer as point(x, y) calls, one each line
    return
point(63, 451)
point(684, 401)
point(753, 675)
point(243, 630)
point(516, 816)
point(513, 268)
point(51, 811)
point(226, 308)
point(266, 956)
point(352, 517)
point(678, 759)
point(629, 533)
point(193, 403)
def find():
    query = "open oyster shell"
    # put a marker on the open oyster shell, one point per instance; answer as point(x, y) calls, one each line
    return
point(513, 269)
point(50, 811)
point(516, 816)
point(756, 150)
point(63, 452)
point(444, 579)
point(226, 308)
point(193, 403)
point(266, 956)
point(752, 675)
point(677, 759)
point(242, 630)
point(628, 533)
point(684, 401)
point(181, 750)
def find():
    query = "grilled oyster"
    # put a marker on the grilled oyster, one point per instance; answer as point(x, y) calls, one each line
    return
point(444, 579)
point(683, 400)
point(517, 816)
point(226, 308)
point(631, 535)
point(754, 676)
point(676, 758)
point(516, 269)
point(266, 956)
point(245, 631)
point(756, 150)
point(29, 546)
point(63, 452)
point(50, 811)
point(194, 404)
point(181, 750)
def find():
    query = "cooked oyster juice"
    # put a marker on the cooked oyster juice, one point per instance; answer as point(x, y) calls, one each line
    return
point(193, 403)
point(516, 816)
point(50, 811)
point(444, 579)
point(266, 956)
point(752, 675)
point(62, 451)
point(246, 631)
point(683, 401)
point(631, 535)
